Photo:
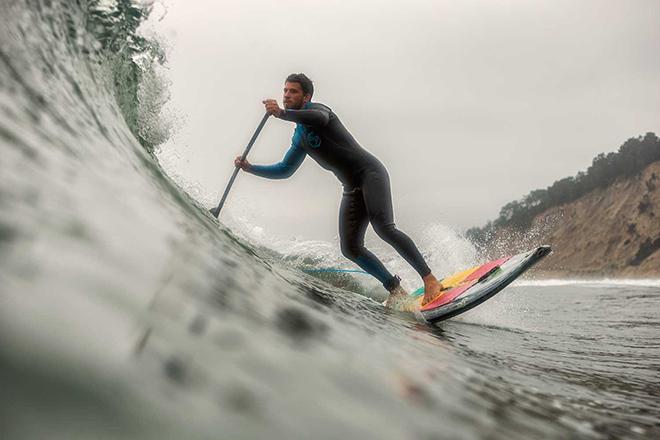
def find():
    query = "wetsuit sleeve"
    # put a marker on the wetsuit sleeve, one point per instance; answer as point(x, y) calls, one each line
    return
point(314, 117)
point(283, 169)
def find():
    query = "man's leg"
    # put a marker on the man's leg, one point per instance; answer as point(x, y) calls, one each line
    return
point(353, 221)
point(378, 202)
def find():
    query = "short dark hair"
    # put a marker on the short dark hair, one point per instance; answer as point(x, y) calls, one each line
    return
point(305, 83)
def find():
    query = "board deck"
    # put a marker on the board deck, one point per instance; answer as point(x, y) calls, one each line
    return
point(471, 287)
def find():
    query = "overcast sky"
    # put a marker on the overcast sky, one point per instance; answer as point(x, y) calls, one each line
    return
point(469, 104)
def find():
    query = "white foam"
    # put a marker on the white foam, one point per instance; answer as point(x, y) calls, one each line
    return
point(646, 282)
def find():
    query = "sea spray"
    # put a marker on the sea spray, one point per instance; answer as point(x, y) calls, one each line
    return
point(140, 87)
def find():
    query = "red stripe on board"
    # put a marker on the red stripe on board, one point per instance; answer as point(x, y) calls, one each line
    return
point(483, 270)
point(469, 281)
point(450, 295)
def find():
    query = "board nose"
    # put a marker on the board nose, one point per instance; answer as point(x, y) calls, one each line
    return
point(543, 251)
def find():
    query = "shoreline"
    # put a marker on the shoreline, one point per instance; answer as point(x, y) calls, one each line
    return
point(572, 277)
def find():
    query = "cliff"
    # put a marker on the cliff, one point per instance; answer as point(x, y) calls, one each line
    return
point(608, 232)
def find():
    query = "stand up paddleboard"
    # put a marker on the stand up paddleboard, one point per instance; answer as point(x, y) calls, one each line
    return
point(471, 287)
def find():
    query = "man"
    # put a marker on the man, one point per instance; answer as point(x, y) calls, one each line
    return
point(366, 198)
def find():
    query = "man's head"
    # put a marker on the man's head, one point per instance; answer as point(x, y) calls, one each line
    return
point(298, 91)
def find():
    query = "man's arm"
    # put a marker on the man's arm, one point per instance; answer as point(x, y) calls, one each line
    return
point(283, 169)
point(318, 116)
point(314, 114)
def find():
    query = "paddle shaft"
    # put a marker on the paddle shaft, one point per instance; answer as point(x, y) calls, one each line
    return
point(216, 211)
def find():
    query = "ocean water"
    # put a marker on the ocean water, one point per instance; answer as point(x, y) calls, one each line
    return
point(127, 311)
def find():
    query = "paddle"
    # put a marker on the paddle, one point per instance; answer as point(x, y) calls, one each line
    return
point(216, 211)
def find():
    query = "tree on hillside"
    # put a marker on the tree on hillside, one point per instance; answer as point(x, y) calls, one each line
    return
point(631, 158)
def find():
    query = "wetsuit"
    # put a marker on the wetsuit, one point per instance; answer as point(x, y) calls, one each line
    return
point(366, 198)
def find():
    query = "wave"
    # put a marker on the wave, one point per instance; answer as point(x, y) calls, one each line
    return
point(75, 57)
point(126, 308)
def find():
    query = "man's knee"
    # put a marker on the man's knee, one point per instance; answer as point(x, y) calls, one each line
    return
point(350, 250)
point(384, 230)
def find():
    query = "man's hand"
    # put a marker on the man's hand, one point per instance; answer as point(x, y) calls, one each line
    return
point(272, 107)
point(242, 164)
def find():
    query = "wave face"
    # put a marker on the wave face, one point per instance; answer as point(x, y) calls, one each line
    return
point(127, 311)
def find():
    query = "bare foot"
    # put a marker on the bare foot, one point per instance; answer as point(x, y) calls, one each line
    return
point(432, 289)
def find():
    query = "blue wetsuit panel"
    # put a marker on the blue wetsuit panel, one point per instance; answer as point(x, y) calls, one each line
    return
point(287, 166)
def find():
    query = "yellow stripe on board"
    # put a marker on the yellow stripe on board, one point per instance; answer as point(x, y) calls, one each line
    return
point(458, 278)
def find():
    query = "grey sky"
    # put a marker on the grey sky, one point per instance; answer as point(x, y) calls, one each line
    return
point(469, 104)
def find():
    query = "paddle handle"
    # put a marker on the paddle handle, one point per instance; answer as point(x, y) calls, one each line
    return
point(216, 211)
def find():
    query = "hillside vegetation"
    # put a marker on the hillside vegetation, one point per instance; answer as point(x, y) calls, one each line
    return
point(603, 222)
point(633, 156)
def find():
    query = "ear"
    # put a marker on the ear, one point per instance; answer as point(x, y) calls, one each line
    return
point(307, 98)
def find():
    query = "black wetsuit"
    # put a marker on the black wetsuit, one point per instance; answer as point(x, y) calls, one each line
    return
point(366, 198)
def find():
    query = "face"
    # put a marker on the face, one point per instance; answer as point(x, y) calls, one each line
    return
point(294, 98)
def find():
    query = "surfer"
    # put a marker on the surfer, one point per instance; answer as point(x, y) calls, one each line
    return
point(366, 197)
